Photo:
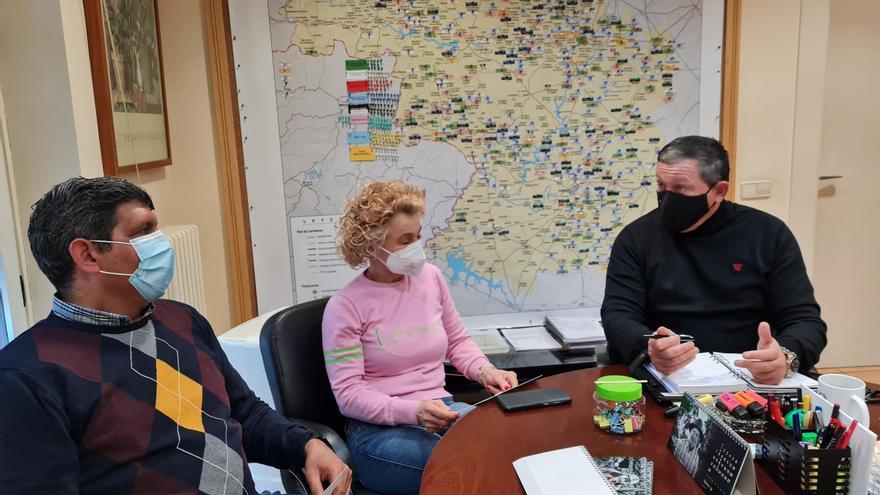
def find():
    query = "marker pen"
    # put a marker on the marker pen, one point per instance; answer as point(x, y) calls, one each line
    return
point(775, 413)
point(752, 406)
point(755, 395)
point(727, 402)
point(844, 442)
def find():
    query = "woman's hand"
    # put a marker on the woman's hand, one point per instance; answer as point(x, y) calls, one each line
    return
point(496, 380)
point(434, 415)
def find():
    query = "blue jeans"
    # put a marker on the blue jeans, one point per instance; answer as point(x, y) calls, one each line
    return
point(391, 459)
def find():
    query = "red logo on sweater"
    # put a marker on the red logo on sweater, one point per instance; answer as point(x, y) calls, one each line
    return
point(737, 267)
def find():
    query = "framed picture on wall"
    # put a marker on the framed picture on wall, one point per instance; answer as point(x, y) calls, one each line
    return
point(129, 84)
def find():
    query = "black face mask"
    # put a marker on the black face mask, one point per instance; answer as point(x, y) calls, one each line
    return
point(678, 212)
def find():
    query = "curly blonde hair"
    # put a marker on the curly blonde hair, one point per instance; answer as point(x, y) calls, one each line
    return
point(366, 216)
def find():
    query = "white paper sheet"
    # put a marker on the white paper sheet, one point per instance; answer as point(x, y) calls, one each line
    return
point(530, 339)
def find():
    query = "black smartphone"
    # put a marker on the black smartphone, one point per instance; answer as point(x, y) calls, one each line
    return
point(517, 401)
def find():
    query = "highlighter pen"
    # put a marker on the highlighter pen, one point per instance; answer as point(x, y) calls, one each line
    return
point(807, 403)
point(752, 406)
point(758, 397)
point(796, 426)
point(705, 399)
point(727, 402)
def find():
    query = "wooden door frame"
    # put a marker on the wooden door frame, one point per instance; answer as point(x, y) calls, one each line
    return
point(233, 190)
point(730, 86)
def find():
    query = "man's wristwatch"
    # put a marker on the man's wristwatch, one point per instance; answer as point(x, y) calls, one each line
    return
point(792, 363)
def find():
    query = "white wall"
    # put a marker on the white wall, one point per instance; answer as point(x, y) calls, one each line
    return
point(46, 76)
point(40, 41)
point(766, 102)
point(188, 192)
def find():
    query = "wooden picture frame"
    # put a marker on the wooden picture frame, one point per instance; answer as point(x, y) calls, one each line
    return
point(128, 80)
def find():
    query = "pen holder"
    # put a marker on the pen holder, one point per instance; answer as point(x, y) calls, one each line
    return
point(798, 470)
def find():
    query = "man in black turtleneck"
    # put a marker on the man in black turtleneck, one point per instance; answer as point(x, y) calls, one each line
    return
point(730, 275)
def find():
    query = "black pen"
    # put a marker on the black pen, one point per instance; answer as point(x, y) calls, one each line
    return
point(683, 337)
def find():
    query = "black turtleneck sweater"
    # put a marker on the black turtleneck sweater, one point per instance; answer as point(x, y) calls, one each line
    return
point(717, 283)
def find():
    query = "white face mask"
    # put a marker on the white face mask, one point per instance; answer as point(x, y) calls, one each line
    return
point(408, 260)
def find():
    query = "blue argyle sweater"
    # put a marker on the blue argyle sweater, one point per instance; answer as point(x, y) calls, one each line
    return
point(149, 407)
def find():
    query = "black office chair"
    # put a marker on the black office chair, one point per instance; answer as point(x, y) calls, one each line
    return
point(293, 355)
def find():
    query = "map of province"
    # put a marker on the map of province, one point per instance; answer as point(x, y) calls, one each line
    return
point(557, 110)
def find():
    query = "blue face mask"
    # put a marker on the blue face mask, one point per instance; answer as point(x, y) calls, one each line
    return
point(156, 268)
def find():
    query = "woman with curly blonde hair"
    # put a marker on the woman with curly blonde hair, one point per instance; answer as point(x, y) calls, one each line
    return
point(386, 335)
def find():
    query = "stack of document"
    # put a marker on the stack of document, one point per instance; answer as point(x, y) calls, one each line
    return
point(530, 339)
point(489, 341)
point(577, 332)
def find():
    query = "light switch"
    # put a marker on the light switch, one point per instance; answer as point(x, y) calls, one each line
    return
point(755, 189)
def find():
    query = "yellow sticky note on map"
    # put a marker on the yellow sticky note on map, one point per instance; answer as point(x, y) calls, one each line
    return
point(361, 154)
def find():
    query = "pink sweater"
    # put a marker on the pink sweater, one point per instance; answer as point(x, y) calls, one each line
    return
point(384, 346)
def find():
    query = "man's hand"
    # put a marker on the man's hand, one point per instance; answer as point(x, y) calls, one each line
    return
point(322, 465)
point(767, 364)
point(496, 380)
point(669, 354)
point(434, 415)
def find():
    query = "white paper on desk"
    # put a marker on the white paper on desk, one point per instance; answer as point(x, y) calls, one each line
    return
point(570, 471)
point(531, 339)
point(861, 445)
point(489, 341)
point(577, 329)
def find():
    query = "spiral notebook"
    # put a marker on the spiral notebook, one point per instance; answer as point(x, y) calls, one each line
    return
point(628, 475)
point(571, 471)
point(714, 373)
point(718, 459)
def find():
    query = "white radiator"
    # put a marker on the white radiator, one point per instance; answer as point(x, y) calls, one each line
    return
point(188, 284)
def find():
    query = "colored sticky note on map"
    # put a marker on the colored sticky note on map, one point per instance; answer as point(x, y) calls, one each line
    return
point(362, 154)
point(358, 137)
point(359, 98)
point(357, 86)
point(356, 65)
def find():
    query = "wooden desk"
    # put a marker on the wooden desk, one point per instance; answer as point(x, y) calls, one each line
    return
point(475, 456)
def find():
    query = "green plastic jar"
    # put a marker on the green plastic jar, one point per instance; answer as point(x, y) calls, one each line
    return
point(619, 405)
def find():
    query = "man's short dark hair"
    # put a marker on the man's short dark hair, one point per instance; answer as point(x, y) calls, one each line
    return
point(76, 208)
point(712, 157)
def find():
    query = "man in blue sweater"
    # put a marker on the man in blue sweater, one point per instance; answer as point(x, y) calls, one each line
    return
point(118, 391)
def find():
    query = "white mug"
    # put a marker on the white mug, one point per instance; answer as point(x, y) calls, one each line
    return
point(847, 391)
